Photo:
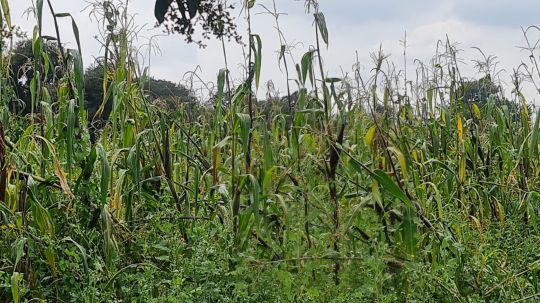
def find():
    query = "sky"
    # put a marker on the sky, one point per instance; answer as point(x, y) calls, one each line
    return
point(356, 29)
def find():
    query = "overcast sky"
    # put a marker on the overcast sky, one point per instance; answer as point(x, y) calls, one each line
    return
point(354, 26)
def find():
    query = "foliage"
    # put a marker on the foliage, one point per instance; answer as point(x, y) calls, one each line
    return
point(154, 89)
point(484, 90)
point(183, 16)
point(22, 70)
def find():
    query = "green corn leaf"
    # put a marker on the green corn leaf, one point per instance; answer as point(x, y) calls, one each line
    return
point(267, 152)
point(110, 246)
point(105, 174)
point(408, 230)
point(71, 118)
point(42, 218)
point(88, 168)
point(321, 23)
point(244, 122)
point(18, 250)
point(306, 63)
point(16, 279)
point(533, 145)
point(6, 13)
point(257, 50)
point(51, 258)
point(79, 76)
point(254, 192)
point(75, 29)
point(391, 186)
point(82, 251)
point(381, 177)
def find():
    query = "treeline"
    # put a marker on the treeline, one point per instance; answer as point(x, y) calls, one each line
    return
point(22, 71)
point(171, 96)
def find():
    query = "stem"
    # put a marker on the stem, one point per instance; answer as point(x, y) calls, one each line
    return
point(333, 157)
point(250, 96)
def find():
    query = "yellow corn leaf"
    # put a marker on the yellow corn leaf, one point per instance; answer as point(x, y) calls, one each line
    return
point(476, 110)
point(477, 223)
point(478, 226)
point(116, 201)
point(462, 169)
point(58, 170)
point(460, 129)
point(216, 155)
point(401, 159)
point(500, 213)
point(415, 156)
point(369, 136)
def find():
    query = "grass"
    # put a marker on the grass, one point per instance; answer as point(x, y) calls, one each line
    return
point(360, 190)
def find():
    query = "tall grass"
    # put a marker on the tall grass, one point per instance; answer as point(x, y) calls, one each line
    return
point(393, 189)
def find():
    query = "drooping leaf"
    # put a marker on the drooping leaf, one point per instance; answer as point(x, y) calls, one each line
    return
point(257, 49)
point(460, 129)
point(254, 193)
point(391, 186)
point(18, 250)
point(160, 9)
point(401, 158)
point(244, 123)
point(476, 110)
point(42, 218)
point(82, 250)
point(533, 142)
point(321, 23)
point(105, 174)
point(193, 7)
point(408, 230)
point(110, 246)
point(59, 171)
point(307, 60)
point(16, 279)
point(216, 155)
point(369, 136)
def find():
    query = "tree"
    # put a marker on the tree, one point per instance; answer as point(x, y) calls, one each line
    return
point(93, 93)
point(8, 33)
point(22, 70)
point(166, 92)
point(183, 16)
point(163, 89)
point(481, 91)
point(478, 91)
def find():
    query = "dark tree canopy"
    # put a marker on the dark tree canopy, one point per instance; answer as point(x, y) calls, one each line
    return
point(484, 89)
point(22, 60)
point(163, 93)
point(479, 91)
point(154, 89)
point(161, 89)
point(22, 68)
point(184, 16)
